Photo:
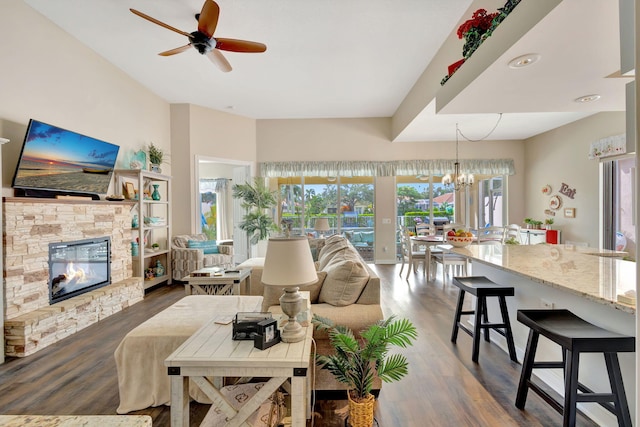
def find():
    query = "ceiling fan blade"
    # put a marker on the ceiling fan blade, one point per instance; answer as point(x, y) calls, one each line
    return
point(208, 20)
point(218, 58)
point(234, 45)
point(174, 51)
point(162, 24)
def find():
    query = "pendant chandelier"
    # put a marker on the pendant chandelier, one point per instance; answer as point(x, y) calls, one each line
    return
point(459, 180)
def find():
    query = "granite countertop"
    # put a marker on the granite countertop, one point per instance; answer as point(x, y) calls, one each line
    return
point(75, 420)
point(585, 273)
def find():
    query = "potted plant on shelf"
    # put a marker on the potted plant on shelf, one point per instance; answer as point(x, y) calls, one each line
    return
point(156, 156)
point(548, 223)
point(258, 200)
point(532, 223)
point(357, 361)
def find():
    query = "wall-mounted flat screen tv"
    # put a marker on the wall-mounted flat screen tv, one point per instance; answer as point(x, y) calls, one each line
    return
point(58, 161)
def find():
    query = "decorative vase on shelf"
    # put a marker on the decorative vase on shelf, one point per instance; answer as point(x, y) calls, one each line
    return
point(135, 222)
point(159, 269)
point(155, 168)
point(156, 194)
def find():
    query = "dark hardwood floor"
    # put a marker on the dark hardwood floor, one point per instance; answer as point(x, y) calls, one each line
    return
point(444, 388)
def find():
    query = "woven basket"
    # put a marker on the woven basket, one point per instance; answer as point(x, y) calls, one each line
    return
point(361, 414)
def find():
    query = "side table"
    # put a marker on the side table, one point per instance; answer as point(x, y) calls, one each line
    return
point(211, 352)
point(204, 282)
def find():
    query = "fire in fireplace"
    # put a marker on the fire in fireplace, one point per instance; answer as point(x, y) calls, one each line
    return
point(77, 267)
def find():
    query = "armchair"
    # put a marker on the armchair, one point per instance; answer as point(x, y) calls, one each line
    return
point(185, 259)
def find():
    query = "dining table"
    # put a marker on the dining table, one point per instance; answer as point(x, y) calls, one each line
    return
point(426, 243)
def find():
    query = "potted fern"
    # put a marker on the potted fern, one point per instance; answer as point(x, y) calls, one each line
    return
point(257, 200)
point(357, 361)
point(156, 156)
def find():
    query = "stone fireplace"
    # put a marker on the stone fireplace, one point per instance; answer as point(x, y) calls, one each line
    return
point(77, 267)
point(30, 226)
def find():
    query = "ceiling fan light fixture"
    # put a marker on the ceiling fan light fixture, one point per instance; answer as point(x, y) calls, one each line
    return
point(202, 39)
point(523, 61)
point(587, 98)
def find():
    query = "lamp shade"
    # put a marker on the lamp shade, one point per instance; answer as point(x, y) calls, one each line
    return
point(321, 224)
point(288, 263)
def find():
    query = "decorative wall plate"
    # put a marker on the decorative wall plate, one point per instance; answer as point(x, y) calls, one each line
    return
point(555, 202)
point(546, 190)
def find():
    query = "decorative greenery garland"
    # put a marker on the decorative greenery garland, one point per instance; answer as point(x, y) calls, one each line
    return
point(477, 29)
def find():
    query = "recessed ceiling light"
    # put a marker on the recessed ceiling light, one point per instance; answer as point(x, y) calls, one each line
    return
point(587, 98)
point(524, 60)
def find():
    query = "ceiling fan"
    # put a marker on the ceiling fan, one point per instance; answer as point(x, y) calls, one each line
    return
point(202, 39)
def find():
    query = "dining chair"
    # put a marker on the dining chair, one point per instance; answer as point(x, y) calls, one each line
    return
point(411, 256)
point(457, 263)
point(512, 231)
point(491, 235)
point(424, 229)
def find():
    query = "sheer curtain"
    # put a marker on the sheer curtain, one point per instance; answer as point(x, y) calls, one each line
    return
point(219, 186)
point(391, 168)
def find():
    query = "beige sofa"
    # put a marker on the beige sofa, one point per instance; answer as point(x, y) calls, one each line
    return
point(347, 290)
point(185, 259)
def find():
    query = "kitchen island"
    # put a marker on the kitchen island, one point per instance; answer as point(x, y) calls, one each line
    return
point(600, 289)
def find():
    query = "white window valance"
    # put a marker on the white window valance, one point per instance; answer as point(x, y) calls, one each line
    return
point(609, 146)
point(435, 167)
point(216, 185)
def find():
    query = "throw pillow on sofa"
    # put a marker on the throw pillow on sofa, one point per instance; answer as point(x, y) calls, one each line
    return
point(208, 246)
point(271, 295)
point(316, 246)
point(345, 281)
point(333, 239)
point(329, 252)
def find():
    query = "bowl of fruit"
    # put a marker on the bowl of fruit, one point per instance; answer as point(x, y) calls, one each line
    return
point(459, 238)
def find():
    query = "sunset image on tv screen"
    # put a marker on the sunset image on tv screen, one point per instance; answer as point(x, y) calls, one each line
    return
point(57, 159)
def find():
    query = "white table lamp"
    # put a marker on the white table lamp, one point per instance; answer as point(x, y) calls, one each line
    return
point(321, 225)
point(289, 264)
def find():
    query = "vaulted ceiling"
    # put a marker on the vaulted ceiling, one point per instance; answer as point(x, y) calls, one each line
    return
point(365, 58)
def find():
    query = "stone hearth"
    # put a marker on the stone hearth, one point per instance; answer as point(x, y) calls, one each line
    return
point(29, 226)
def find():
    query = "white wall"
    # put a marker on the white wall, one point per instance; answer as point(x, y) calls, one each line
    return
point(561, 156)
point(198, 131)
point(50, 76)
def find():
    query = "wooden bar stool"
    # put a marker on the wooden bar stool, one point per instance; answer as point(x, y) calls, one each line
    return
point(575, 336)
point(481, 288)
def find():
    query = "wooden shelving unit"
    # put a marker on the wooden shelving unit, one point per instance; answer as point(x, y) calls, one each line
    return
point(147, 232)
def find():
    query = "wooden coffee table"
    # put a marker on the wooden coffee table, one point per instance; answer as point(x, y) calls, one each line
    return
point(228, 283)
point(211, 352)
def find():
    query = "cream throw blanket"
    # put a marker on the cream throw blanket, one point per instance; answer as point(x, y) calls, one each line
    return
point(142, 376)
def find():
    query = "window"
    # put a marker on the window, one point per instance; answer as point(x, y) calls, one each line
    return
point(490, 201)
point(209, 217)
point(423, 199)
point(619, 194)
point(291, 205)
point(347, 203)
